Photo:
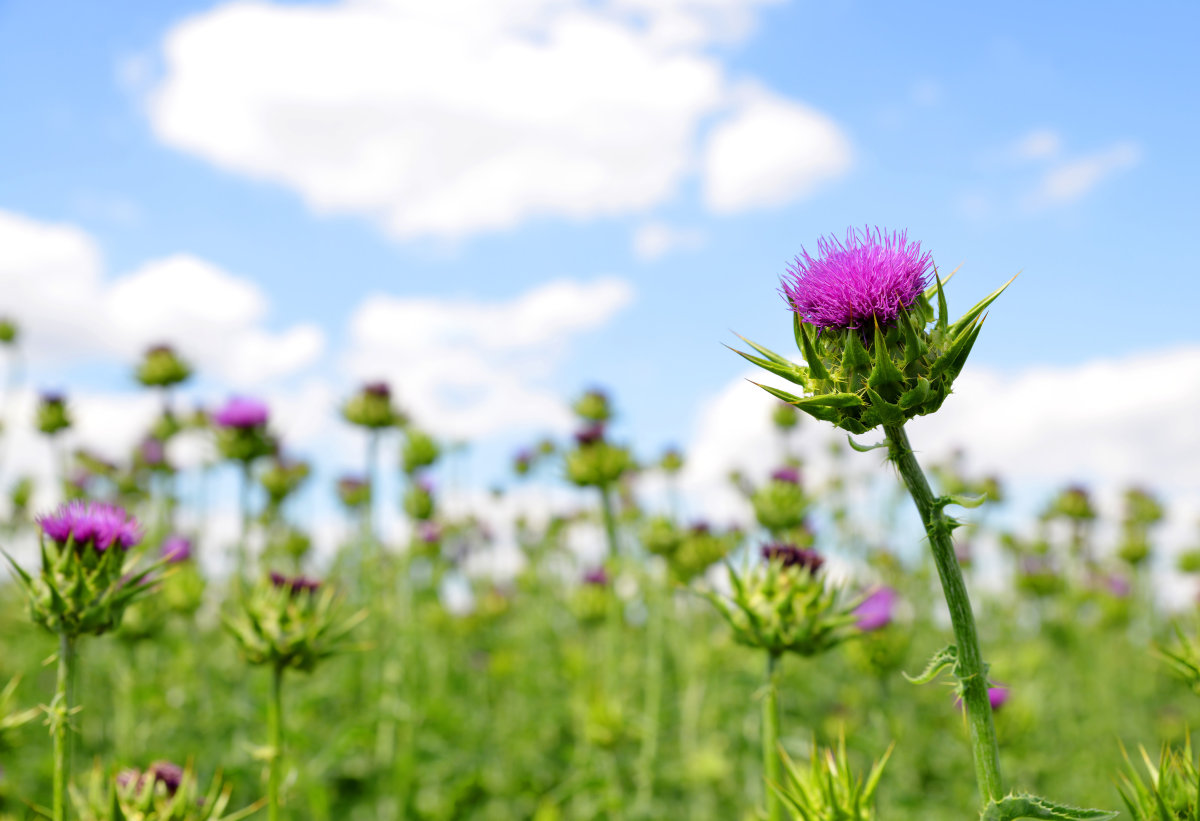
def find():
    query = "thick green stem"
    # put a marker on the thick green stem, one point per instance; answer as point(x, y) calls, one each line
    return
point(275, 728)
point(971, 671)
point(772, 769)
point(63, 697)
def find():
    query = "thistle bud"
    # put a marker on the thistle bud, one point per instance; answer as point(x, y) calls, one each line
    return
point(876, 352)
point(372, 408)
point(84, 585)
point(786, 605)
point(162, 367)
point(420, 450)
point(523, 462)
point(419, 501)
point(671, 462)
point(701, 548)
point(829, 788)
point(593, 406)
point(660, 536)
point(291, 622)
point(162, 792)
point(784, 417)
point(781, 505)
point(52, 414)
point(9, 332)
point(596, 462)
point(282, 478)
point(354, 492)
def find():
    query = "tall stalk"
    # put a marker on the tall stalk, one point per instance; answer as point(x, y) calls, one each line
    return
point(970, 669)
point(275, 728)
point(64, 695)
point(772, 769)
point(243, 558)
point(651, 718)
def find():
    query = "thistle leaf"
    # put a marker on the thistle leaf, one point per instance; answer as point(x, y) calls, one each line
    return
point(969, 317)
point(946, 657)
point(816, 368)
point(1031, 806)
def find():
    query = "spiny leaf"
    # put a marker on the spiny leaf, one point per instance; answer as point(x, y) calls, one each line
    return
point(816, 368)
point(946, 657)
point(967, 318)
point(885, 374)
point(789, 371)
point(1031, 806)
point(864, 448)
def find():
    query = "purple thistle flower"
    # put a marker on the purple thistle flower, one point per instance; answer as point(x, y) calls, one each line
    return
point(164, 772)
point(591, 434)
point(380, 390)
point(152, 452)
point(176, 549)
point(295, 585)
point(429, 532)
point(787, 474)
point(1118, 585)
point(597, 576)
point(242, 413)
point(997, 696)
point(91, 524)
point(875, 612)
point(867, 278)
point(791, 556)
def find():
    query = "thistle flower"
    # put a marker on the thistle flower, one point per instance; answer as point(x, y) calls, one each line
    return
point(788, 555)
point(596, 577)
point(997, 697)
point(863, 281)
point(875, 611)
point(294, 584)
point(176, 549)
point(163, 792)
point(420, 450)
point(523, 461)
point(52, 413)
point(875, 352)
point(593, 406)
point(354, 491)
point(787, 473)
point(372, 408)
point(95, 525)
point(151, 453)
point(590, 434)
point(242, 413)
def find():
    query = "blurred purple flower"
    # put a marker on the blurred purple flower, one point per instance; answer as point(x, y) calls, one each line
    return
point(1118, 585)
point(379, 389)
point(429, 532)
point(791, 556)
point(152, 452)
point(787, 473)
point(997, 697)
point(91, 524)
point(596, 576)
point(869, 277)
point(591, 434)
point(876, 609)
point(241, 412)
point(296, 584)
point(176, 549)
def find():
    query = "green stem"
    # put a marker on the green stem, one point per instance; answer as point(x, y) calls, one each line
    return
point(772, 770)
point(63, 696)
point(970, 669)
point(275, 728)
point(243, 557)
point(648, 758)
point(610, 520)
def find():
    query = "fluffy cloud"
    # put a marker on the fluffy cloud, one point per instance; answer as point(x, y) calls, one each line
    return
point(469, 368)
point(1072, 180)
point(1039, 144)
point(451, 118)
point(52, 275)
point(771, 151)
point(656, 239)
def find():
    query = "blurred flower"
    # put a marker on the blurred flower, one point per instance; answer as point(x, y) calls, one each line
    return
point(242, 413)
point(590, 435)
point(176, 549)
point(875, 611)
point(596, 576)
point(91, 524)
point(788, 555)
point(593, 406)
point(162, 367)
point(52, 414)
point(787, 473)
point(867, 279)
point(295, 584)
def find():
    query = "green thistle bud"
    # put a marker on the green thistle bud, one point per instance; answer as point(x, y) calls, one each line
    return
point(593, 406)
point(781, 504)
point(166, 426)
point(9, 332)
point(876, 351)
point(700, 549)
point(660, 536)
point(164, 792)
point(372, 408)
point(784, 417)
point(418, 500)
point(1169, 791)
point(785, 605)
point(21, 493)
point(595, 462)
point(52, 414)
point(671, 462)
point(420, 450)
point(283, 478)
point(161, 367)
point(291, 623)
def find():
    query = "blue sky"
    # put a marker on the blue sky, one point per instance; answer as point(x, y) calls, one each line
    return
point(1057, 139)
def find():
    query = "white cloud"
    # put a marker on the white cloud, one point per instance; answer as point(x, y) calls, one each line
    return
point(456, 117)
point(52, 276)
point(469, 368)
point(1039, 144)
point(656, 239)
point(1071, 180)
point(769, 152)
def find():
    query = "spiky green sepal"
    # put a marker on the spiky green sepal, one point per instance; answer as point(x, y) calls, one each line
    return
point(828, 788)
point(142, 797)
point(860, 381)
point(786, 609)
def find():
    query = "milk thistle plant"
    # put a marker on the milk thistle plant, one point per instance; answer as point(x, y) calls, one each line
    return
point(163, 792)
point(84, 588)
point(876, 354)
point(288, 623)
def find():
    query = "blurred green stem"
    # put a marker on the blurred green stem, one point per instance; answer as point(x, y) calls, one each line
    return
point(970, 669)
point(770, 738)
point(610, 520)
point(63, 696)
point(275, 728)
point(243, 557)
point(648, 758)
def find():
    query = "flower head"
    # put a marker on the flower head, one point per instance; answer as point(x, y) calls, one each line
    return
point(242, 413)
point(789, 555)
point(590, 435)
point(788, 474)
point(868, 278)
point(876, 609)
point(91, 524)
point(176, 549)
point(596, 577)
point(295, 585)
